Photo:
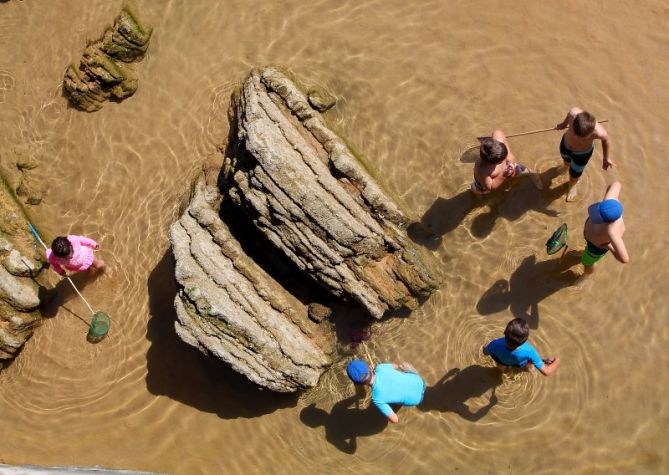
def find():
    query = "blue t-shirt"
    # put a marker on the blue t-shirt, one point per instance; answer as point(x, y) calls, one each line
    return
point(395, 387)
point(518, 357)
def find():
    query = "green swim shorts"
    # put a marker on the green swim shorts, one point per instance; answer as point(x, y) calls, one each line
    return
point(592, 254)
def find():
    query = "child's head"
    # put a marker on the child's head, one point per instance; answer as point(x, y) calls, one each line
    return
point(493, 151)
point(61, 246)
point(584, 124)
point(516, 333)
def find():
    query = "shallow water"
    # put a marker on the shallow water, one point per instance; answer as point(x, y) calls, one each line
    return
point(416, 84)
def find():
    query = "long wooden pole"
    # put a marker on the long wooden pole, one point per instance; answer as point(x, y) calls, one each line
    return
point(533, 131)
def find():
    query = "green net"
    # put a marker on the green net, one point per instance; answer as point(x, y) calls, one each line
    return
point(99, 326)
point(558, 240)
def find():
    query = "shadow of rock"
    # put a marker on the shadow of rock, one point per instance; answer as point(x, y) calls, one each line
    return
point(457, 386)
point(529, 284)
point(180, 372)
point(345, 423)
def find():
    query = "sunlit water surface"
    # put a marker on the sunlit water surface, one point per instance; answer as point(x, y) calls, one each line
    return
point(416, 83)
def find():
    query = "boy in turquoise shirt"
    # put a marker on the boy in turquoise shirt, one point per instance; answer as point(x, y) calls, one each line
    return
point(391, 384)
point(514, 350)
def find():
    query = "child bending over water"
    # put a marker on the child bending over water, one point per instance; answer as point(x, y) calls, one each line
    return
point(495, 164)
point(73, 254)
point(514, 350)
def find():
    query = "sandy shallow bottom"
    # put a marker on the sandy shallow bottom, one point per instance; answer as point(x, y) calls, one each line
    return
point(416, 82)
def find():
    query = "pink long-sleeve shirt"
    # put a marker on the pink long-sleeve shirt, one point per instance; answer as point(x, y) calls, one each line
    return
point(81, 259)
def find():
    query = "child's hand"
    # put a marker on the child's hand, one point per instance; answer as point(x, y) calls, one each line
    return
point(607, 164)
point(560, 126)
point(510, 169)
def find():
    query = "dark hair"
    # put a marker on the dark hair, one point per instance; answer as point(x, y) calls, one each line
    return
point(516, 333)
point(493, 151)
point(61, 246)
point(584, 124)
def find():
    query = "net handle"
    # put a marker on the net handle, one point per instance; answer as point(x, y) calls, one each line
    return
point(37, 236)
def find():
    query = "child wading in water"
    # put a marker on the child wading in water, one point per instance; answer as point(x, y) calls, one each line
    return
point(73, 254)
point(495, 164)
point(514, 350)
point(577, 145)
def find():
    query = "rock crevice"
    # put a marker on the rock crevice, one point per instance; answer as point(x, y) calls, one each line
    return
point(310, 201)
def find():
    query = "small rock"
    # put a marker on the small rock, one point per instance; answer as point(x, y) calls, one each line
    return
point(30, 192)
point(19, 265)
point(321, 100)
point(19, 295)
point(26, 162)
point(318, 312)
point(5, 245)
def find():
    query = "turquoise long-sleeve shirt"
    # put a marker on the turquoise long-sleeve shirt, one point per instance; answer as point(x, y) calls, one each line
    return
point(395, 387)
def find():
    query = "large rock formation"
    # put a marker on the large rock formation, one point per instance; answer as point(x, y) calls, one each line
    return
point(306, 191)
point(229, 306)
point(101, 74)
point(308, 196)
point(19, 296)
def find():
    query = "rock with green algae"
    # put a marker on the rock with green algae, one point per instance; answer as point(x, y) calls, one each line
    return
point(19, 296)
point(305, 190)
point(230, 307)
point(100, 74)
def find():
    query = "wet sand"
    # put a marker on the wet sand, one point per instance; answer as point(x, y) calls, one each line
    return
point(416, 84)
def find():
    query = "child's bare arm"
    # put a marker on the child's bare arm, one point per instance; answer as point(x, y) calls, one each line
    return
point(549, 368)
point(601, 134)
point(573, 112)
point(613, 191)
point(618, 249)
point(500, 136)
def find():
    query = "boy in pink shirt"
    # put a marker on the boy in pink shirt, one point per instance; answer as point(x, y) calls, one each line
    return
point(73, 254)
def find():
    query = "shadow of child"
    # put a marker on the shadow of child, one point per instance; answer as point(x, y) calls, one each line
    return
point(345, 423)
point(457, 386)
point(529, 284)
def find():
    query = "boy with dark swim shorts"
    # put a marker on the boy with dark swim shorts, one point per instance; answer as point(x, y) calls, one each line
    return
point(577, 145)
point(603, 230)
point(514, 350)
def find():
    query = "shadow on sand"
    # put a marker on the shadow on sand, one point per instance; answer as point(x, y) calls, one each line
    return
point(529, 284)
point(457, 386)
point(510, 202)
point(346, 422)
point(182, 373)
point(56, 297)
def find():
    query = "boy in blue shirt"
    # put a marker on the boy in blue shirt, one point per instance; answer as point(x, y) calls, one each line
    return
point(391, 384)
point(514, 350)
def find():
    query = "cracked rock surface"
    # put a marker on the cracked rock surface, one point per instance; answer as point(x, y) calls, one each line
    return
point(306, 191)
point(19, 265)
point(228, 306)
point(101, 73)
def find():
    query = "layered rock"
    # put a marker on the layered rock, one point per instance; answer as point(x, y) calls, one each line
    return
point(228, 306)
point(19, 296)
point(101, 73)
point(306, 191)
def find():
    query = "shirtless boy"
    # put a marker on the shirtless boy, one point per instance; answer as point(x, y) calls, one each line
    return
point(604, 230)
point(495, 164)
point(577, 145)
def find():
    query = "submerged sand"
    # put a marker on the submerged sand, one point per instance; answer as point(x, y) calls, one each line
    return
point(416, 84)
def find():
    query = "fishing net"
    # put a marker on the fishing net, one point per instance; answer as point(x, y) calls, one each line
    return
point(99, 327)
point(558, 240)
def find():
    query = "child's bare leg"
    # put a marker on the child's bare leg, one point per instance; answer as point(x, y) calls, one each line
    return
point(98, 265)
point(573, 189)
point(588, 270)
